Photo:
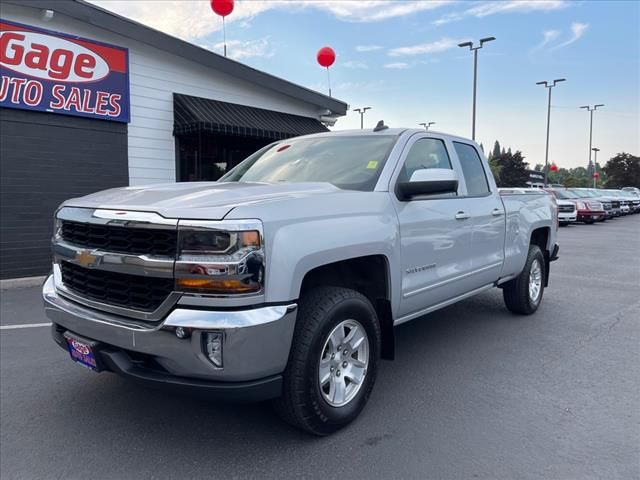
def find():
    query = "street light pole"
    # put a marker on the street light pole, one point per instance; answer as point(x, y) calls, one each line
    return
point(591, 109)
point(548, 86)
point(427, 125)
point(361, 112)
point(475, 77)
point(595, 164)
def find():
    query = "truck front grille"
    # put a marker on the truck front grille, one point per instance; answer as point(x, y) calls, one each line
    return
point(134, 241)
point(131, 291)
point(567, 208)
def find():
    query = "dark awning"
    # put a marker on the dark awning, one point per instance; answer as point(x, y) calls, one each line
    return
point(195, 114)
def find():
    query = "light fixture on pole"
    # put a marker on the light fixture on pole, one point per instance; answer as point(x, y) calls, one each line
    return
point(591, 109)
point(595, 165)
point(361, 112)
point(548, 86)
point(427, 125)
point(475, 76)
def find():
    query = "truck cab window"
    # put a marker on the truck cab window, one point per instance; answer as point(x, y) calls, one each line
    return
point(472, 169)
point(425, 153)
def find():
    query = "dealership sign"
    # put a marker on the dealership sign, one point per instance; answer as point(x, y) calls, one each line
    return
point(54, 72)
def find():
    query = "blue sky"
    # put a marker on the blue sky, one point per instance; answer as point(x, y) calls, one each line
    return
point(401, 59)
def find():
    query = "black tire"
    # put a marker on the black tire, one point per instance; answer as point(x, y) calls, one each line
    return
point(302, 403)
point(589, 222)
point(516, 291)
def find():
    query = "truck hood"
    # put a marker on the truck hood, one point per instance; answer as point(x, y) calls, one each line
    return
point(197, 200)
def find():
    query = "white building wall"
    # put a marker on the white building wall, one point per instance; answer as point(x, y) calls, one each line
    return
point(154, 76)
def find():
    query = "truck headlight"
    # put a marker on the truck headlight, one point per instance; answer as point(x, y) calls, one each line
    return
point(581, 205)
point(225, 257)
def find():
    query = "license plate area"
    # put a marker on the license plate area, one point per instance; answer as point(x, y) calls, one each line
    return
point(83, 351)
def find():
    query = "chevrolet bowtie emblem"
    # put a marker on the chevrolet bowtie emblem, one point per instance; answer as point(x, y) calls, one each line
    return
point(85, 258)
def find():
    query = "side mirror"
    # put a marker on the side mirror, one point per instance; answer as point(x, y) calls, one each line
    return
point(428, 181)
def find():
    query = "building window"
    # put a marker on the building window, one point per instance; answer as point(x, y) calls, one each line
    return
point(206, 156)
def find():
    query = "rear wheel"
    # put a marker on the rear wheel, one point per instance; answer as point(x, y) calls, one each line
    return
point(333, 360)
point(523, 294)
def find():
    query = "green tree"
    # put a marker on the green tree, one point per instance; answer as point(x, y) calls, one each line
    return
point(539, 167)
point(623, 170)
point(496, 150)
point(513, 170)
point(495, 169)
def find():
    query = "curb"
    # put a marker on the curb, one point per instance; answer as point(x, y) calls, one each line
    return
point(25, 282)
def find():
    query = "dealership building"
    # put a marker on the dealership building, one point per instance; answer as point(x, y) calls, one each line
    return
point(91, 100)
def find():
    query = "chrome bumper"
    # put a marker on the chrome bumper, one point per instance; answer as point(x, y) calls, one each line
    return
point(256, 342)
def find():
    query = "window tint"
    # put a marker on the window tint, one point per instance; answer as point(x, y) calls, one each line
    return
point(472, 170)
point(425, 153)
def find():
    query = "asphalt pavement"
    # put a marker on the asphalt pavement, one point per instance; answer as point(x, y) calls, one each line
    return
point(475, 392)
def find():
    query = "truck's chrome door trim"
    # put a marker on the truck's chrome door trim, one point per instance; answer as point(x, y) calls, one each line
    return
point(440, 305)
point(449, 280)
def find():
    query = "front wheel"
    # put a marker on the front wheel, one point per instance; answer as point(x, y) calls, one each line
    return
point(333, 360)
point(523, 294)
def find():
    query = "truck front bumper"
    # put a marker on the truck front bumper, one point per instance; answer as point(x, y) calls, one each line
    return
point(255, 345)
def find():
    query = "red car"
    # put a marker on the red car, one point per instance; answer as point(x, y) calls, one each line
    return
point(589, 209)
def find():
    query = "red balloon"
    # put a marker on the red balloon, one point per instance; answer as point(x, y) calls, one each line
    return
point(553, 167)
point(596, 175)
point(326, 56)
point(222, 7)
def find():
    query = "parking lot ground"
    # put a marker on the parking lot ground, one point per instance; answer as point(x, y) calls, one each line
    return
point(475, 392)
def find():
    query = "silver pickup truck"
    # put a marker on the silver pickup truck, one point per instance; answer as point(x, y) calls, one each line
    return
point(284, 279)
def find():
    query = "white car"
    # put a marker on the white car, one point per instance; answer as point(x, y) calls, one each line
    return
point(567, 212)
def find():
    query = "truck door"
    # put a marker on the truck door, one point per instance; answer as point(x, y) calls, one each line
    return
point(487, 217)
point(435, 234)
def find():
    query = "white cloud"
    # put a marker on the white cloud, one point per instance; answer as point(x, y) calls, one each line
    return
point(397, 65)
point(424, 48)
point(577, 31)
point(368, 48)
point(504, 6)
point(491, 8)
point(355, 64)
point(238, 49)
point(191, 19)
point(375, 10)
point(548, 36)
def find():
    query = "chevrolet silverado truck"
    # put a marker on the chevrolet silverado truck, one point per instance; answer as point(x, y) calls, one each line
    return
point(285, 279)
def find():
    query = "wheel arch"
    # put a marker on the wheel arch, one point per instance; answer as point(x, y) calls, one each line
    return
point(369, 275)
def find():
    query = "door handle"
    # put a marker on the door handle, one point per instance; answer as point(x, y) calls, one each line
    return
point(462, 216)
point(496, 212)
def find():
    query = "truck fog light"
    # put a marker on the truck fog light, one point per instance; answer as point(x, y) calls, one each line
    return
point(213, 347)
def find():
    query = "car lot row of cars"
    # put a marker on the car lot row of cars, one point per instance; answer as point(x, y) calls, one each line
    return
point(590, 205)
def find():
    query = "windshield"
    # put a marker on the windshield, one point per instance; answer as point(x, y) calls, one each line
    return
point(580, 193)
point(564, 194)
point(348, 162)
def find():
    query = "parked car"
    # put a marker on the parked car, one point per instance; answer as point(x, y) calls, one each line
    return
point(610, 203)
point(567, 209)
point(634, 198)
point(626, 203)
point(590, 210)
point(285, 278)
point(635, 190)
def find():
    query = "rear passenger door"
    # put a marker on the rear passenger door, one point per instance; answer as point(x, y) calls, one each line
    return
point(486, 216)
